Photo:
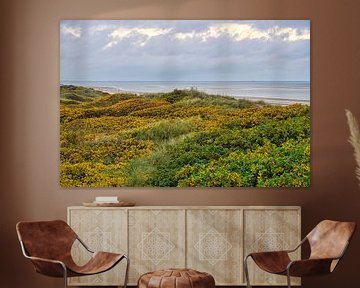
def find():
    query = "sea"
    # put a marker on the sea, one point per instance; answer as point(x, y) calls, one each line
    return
point(277, 92)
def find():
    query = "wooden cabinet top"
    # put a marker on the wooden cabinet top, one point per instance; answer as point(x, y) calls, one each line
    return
point(194, 207)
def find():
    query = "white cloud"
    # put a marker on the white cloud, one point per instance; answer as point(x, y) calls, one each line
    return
point(101, 28)
point(110, 44)
point(237, 32)
point(240, 32)
point(73, 31)
point(291, 34)
point(143, 35)
point(152, 32)
point(185, 36)
point(120, 33)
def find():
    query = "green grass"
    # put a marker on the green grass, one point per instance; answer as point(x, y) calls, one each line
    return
point(70, 94)
point(184, 138)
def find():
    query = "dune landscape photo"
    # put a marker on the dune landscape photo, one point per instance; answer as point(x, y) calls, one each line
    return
point(190, 103)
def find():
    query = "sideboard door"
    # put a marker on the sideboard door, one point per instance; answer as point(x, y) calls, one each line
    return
point(101, 230)
point(214, 244)
point(270, 230)
point(156, 240)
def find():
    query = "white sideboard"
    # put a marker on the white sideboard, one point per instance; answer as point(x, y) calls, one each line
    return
point(211, 239)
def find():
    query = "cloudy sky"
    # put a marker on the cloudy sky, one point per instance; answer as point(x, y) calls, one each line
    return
point(186, 50)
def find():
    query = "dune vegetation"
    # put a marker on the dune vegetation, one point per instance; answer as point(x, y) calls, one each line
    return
point(184, 138)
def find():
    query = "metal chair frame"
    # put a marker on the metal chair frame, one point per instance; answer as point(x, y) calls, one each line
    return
point(26, 255)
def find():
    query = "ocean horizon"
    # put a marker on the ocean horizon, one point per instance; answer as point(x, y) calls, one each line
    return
point(278, 92)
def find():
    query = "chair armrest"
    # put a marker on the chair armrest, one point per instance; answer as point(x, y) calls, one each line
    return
point(45, 260)
point(298, 246)
point(256, 255)
point(309, 267)
point(271, 261)
point(268, 252)
point(48, 267)
point(280, 251)
point(84, 245)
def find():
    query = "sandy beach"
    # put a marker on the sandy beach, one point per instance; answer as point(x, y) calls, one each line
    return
point(268, 100)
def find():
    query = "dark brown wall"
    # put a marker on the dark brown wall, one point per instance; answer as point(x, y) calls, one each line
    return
point(29, 118)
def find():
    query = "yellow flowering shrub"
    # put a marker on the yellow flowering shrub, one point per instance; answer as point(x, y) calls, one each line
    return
point(182, 138)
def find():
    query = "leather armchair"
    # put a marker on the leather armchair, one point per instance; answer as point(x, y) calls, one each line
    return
point(328, 243)
point(48, 245)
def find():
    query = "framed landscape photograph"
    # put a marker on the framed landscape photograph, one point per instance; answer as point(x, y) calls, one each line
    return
point(185, 103)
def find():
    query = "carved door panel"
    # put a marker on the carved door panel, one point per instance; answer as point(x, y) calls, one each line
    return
point(270, 230)
point(214, 244)
point(157, 240)
point(101, 230)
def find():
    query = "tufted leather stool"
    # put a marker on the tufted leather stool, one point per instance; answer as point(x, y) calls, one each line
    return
point(176, 278)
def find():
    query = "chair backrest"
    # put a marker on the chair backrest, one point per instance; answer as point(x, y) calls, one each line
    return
point(46, 239)
point(329, 239)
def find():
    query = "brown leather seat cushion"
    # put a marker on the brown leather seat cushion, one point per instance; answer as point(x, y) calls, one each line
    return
point(176, 278)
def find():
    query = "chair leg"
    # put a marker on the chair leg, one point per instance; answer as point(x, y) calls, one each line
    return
point(246, 270)
point(288, 278)
point(65, 276)
point(127, 271)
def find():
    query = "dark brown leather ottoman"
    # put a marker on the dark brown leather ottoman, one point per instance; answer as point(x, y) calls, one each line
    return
point(176, 278)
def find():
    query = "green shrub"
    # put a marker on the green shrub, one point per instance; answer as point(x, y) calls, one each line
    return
point(165, 130)
point(267, 166)
point(181, 138)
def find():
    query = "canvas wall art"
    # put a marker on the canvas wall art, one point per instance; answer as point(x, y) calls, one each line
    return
point(185, 103)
